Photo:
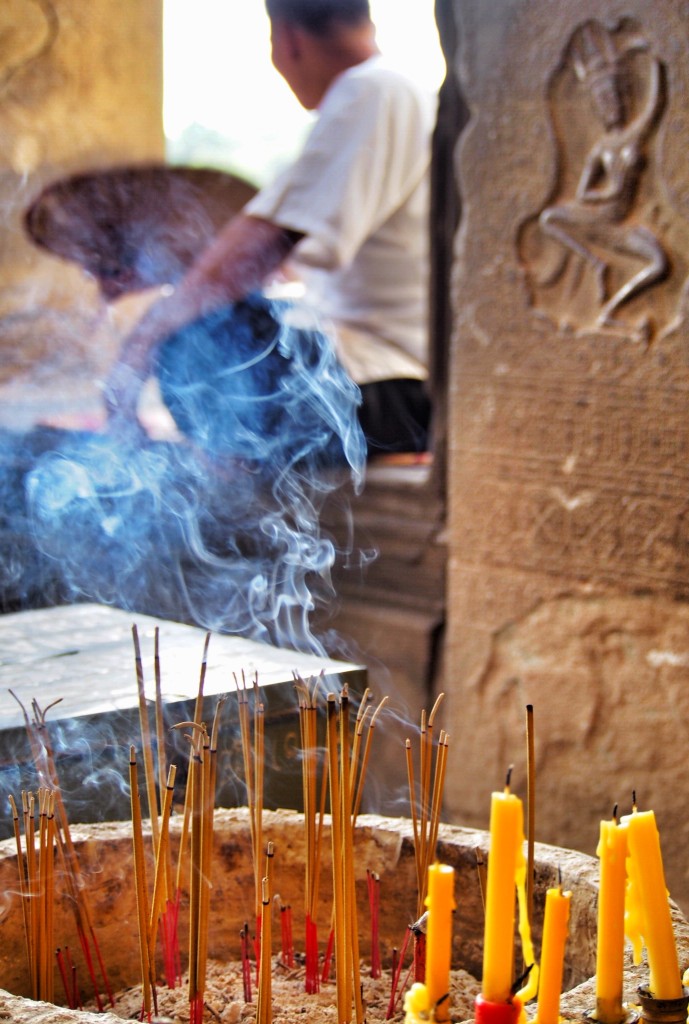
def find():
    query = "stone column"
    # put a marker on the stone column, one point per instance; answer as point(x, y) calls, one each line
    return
point(569, 416)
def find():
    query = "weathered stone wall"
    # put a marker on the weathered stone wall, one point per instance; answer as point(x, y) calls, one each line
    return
point(80, 88)
point(569, 416)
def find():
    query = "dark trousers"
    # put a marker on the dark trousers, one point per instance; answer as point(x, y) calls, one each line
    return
point(395, 416)
point(243, 382)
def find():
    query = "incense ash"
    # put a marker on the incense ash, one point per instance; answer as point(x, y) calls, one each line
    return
point(224, 1001)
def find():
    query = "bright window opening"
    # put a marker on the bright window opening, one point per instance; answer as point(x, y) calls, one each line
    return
point(225, 105)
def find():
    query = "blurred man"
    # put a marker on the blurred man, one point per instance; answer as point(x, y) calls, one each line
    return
point(349, 217)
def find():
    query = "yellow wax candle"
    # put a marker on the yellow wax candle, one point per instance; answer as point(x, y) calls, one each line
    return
point(612, 851)
point(647, 888)
point(505, 856)
point(440, 903)
point(555, 931)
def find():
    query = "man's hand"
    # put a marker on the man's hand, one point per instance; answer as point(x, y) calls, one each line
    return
point(121, 393)
point(134, 365)
point(238, 260)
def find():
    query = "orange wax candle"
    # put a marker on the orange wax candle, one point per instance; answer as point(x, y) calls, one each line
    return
point(555, 931)
point(505, 856)
point(648, 895)
point(612, 851)
point(440, 903)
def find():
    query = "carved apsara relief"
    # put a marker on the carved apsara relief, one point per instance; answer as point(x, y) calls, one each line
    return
point(597, 254)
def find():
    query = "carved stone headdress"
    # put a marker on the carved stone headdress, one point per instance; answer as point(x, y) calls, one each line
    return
point(597, 53)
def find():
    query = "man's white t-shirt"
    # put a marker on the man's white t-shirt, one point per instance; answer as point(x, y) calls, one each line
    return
point(358, 192)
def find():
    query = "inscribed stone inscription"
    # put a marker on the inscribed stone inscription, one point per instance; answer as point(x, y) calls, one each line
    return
point(607, 498)
point(602, 251)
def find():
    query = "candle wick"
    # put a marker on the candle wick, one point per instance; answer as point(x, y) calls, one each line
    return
point(614, 815)
point(520, 980)
point(634, 806)
point(508, 778)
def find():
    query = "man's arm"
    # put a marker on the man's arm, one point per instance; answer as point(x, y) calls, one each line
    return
point(237, 262)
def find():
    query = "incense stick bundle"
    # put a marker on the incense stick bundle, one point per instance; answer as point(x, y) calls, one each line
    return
point(44, 761)
point(37, 887)
point(210, 749)
point(47, 892)
point(362, 719)
point(195, 855)
point(313, 820)
point(159, 896)
point(348, 983)
point(202, 776)
point(166, 921)
point(426, 804)
point(353, 981)
point(183, 855)
point(253, 748)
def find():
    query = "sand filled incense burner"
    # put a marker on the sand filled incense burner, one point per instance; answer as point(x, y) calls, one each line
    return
point(104, 907)
point(383, 845)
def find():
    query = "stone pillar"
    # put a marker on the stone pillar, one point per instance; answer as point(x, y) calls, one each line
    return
point(569, 416)
point(80, 89)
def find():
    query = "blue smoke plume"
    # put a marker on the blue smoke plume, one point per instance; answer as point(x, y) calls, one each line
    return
point(220, 529)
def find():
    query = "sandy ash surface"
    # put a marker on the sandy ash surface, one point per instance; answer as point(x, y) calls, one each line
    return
point(224, 998)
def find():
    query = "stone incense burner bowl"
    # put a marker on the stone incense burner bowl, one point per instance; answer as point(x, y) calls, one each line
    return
point(383, 845)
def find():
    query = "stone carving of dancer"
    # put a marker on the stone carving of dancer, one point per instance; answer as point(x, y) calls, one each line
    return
point(595, 220)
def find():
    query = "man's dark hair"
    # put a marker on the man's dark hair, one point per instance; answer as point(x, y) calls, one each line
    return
point(319, 16)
